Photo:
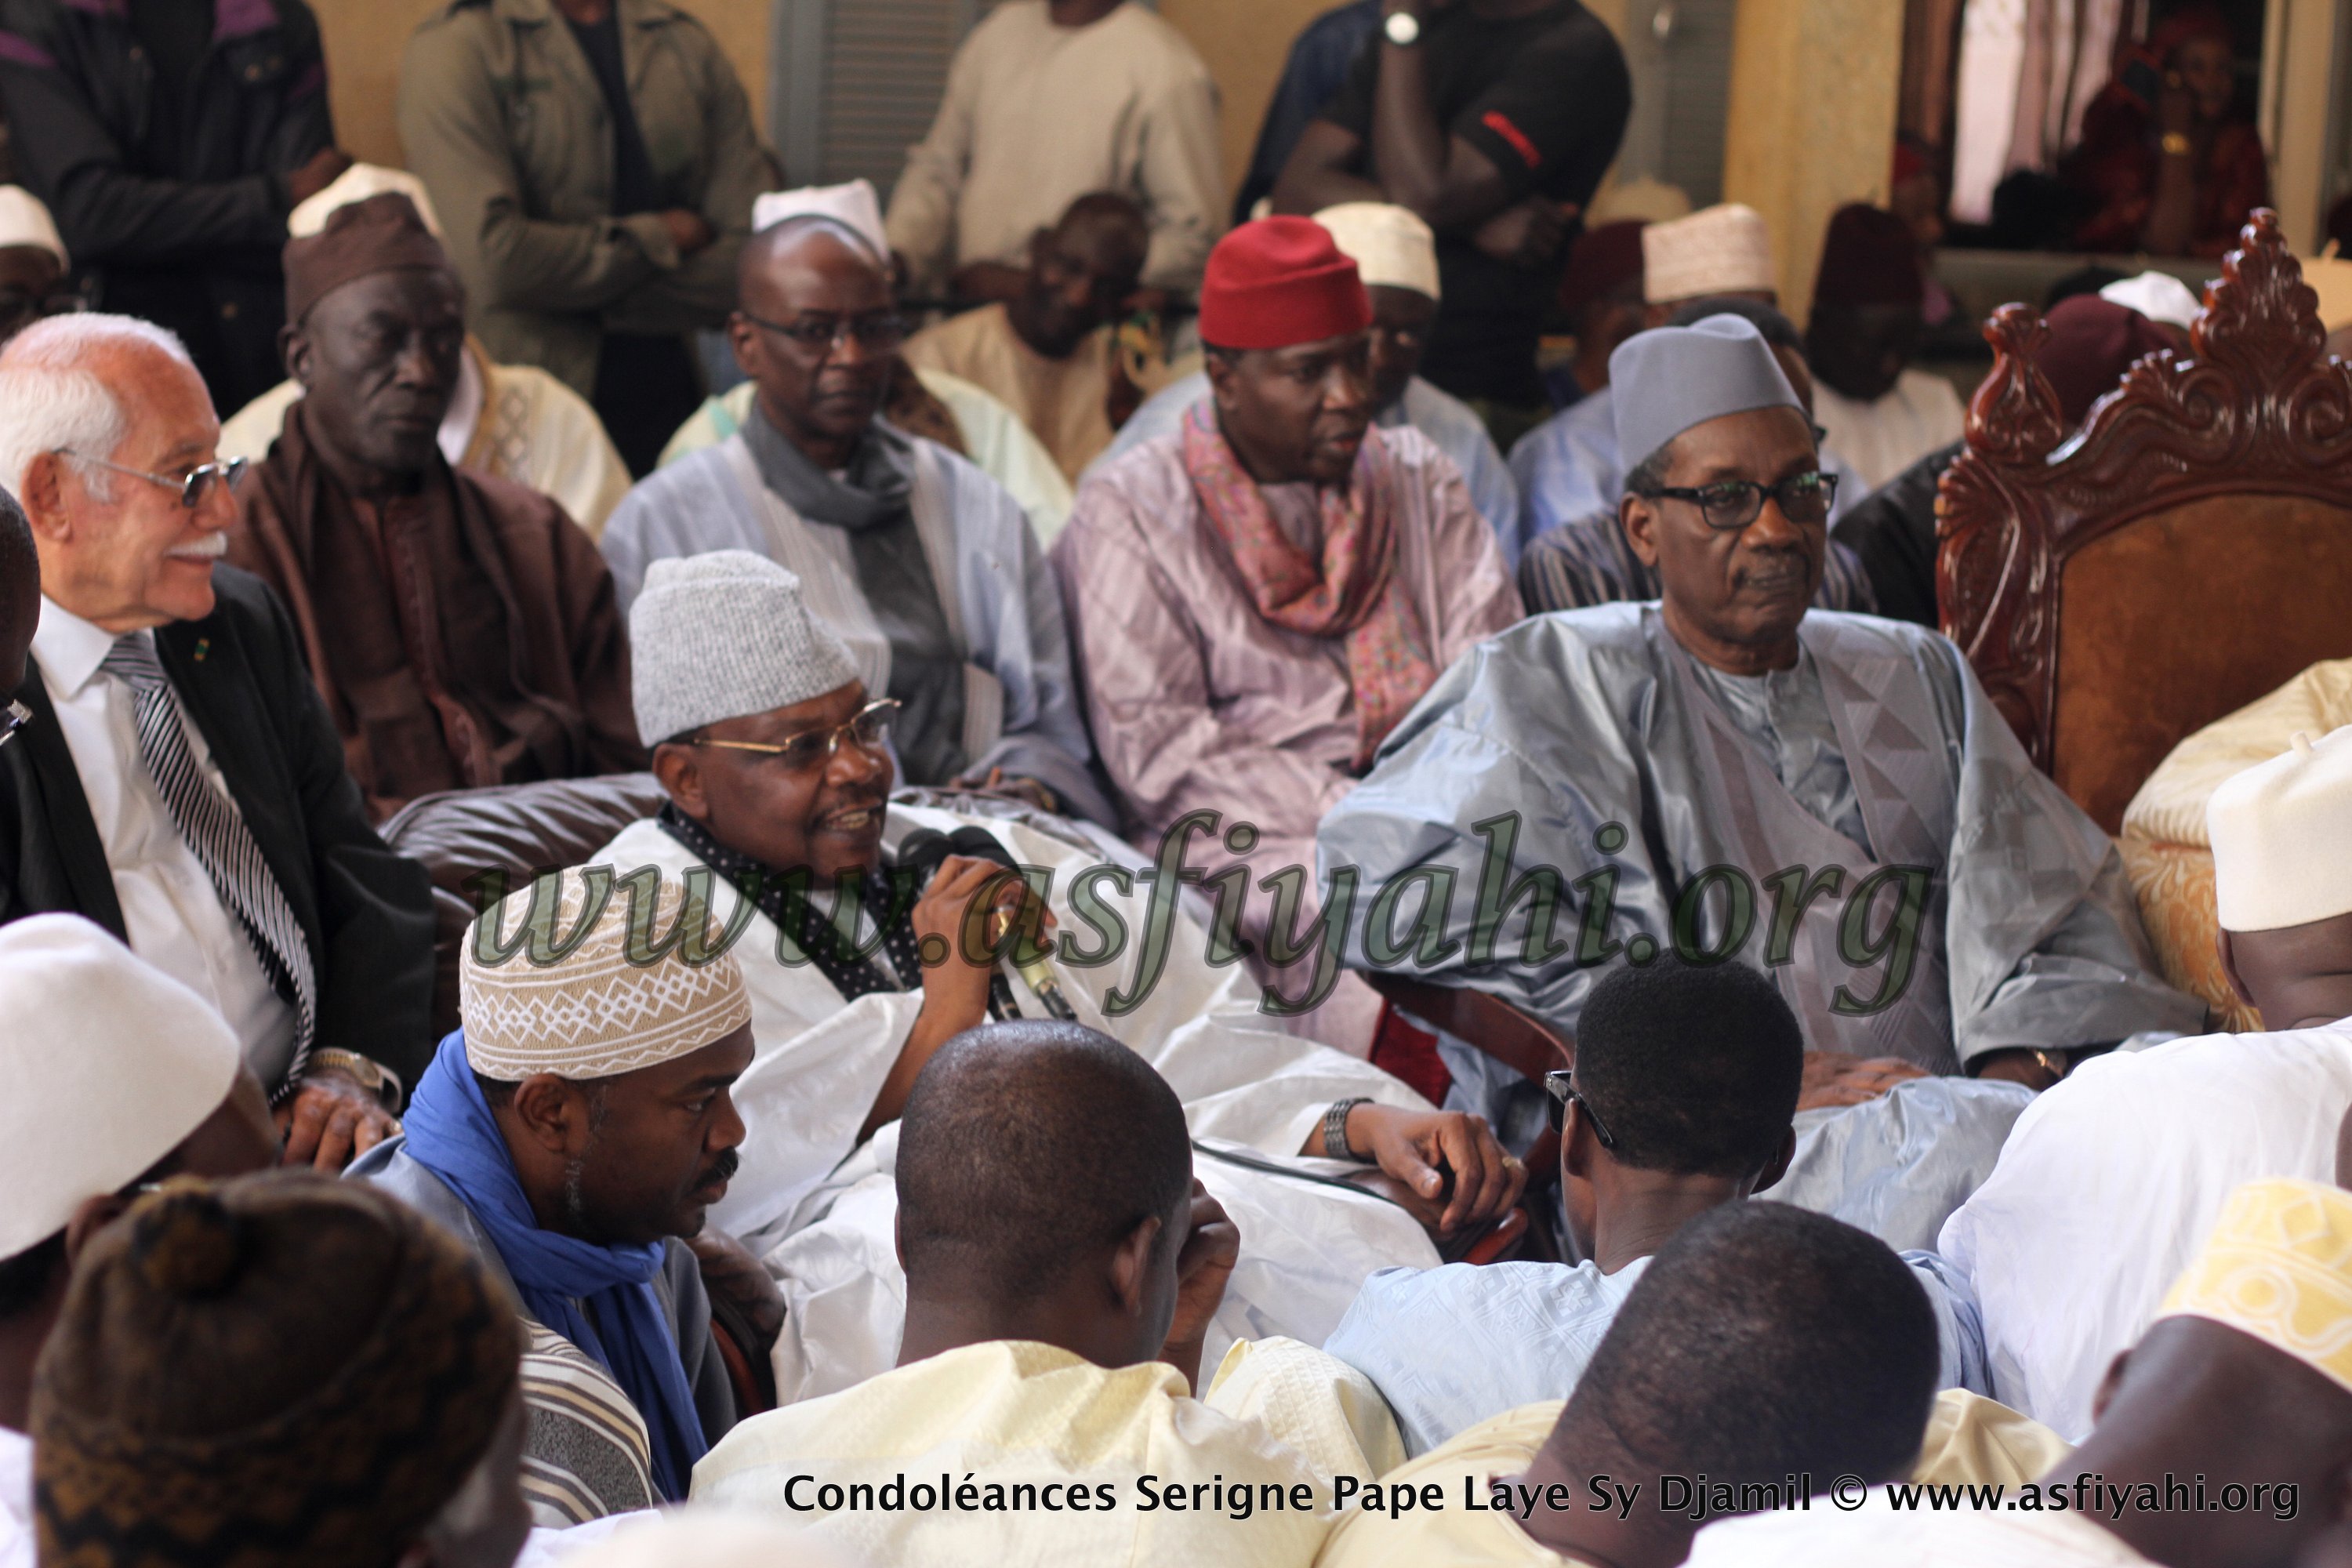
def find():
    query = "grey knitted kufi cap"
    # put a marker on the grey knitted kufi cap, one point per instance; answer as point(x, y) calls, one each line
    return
point(719, 635)
point(1668, 379)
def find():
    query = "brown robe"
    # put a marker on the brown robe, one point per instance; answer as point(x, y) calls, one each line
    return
point(464, 636)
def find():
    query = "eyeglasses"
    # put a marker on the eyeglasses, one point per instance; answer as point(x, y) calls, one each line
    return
point(13, 718)
point(812, 749)
point(1561, 1086)
point(878, 333)
point(1733, 504)
point(192, 486)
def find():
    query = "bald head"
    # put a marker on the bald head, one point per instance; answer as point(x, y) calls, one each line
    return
point(1029, 1150)
point(1717, 1360)
point(765, 248)
point(816, 329)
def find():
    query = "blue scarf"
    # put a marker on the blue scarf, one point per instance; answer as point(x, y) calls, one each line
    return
point(602, 1298)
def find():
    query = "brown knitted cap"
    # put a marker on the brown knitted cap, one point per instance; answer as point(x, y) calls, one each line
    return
point(279, 1371)
point(381, 234)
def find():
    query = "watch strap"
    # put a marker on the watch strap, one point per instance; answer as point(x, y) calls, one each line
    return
point(1335, 1127)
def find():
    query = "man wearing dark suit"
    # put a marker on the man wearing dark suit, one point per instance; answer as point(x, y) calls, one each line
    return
point(179, 780)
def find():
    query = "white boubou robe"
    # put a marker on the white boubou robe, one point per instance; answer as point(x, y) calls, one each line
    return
point(820, 1207)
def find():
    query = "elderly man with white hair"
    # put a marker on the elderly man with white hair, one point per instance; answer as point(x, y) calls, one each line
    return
point(179, 781)
point(776, 759)
point(1396, 255)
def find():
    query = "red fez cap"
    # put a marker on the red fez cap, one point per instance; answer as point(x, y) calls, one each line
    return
point(1870, 257)
point(381, 234)
point(1602, 260)
point(1279, 281)
point(2092, 342)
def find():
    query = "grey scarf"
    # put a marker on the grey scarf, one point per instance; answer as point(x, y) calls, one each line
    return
point(872, 502)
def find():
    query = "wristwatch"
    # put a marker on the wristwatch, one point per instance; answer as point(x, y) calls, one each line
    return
point(1334, 1128)
point(366, 1071)
point(1403, 28)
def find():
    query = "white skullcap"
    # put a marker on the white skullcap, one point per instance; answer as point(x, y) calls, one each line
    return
point(25, 221)
point(1389, 245)
point(2159, 296)
point(2281, 836)
point(1724, 249)
point(853, 205)
point(722, 634)
point(2330, 277)
point(108, 1065)
point(623, 996)
point(707, 1536)
point(357, 183)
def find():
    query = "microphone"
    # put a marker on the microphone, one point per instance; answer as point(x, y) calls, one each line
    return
point(981, 845)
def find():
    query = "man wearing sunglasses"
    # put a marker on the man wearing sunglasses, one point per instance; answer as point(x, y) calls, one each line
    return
point(1830, 798)
point(179, 782)
point(924, 564)
point(777, 762)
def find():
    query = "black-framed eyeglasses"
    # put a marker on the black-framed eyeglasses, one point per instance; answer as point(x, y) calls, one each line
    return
point(1732, 504)
point(878, 331)
point(812, 749)
point(13, 718)
point(1561, 1085)
point(192, 486)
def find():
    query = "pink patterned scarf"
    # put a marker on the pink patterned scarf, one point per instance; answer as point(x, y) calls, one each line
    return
point(1353, 592)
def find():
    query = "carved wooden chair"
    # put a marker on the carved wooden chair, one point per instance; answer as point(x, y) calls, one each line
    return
point(2187, 553)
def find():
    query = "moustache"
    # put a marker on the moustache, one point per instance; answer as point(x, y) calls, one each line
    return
point(721, 1169)
point(204, 547)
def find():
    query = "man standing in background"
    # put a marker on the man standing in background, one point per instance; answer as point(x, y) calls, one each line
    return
point(170, 139)
point(1048, 100)
point(594, 164)
point(1492, 120)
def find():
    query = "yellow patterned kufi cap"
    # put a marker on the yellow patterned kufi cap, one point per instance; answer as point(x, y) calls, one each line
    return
point(643, 982)
point(2279, 1267)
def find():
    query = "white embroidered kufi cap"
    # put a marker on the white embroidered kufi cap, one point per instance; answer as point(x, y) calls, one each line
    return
point(1388, 244)
point(643, 983)
point(1724, 249)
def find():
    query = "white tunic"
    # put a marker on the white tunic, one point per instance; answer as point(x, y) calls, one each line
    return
point(821, 1206)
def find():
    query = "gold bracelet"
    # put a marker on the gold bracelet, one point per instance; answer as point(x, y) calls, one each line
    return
point(2178, 145)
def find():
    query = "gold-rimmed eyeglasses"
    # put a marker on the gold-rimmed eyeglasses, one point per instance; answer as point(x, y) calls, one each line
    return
point(812, 749)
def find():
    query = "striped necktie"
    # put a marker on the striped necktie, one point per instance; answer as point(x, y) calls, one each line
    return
point(223, 843)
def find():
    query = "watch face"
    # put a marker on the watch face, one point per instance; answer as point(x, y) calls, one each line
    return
point(1403, 28)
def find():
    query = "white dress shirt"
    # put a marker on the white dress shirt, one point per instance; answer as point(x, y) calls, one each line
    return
point(15, 1500)
point(171, 912)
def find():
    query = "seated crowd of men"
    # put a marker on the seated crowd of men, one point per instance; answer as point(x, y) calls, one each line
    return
point(1048, 1161)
